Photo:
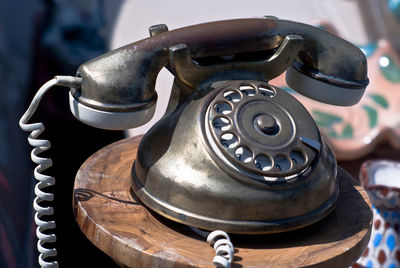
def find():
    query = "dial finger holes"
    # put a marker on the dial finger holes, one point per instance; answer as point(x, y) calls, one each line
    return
point(266, 90)
point(223, 107)
point(243, 154)
point(232, 96)
point(221, 123)
point(282, 163)
point(263, 162)
point(297, 157)
point(248, 90)
point(229, 140)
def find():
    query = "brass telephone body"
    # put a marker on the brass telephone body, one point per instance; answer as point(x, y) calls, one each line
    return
point(232, 152)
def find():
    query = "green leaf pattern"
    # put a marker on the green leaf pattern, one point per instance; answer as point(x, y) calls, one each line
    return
point(372, 115)
point(347, 132)
point(326, 121)
point(380, 100)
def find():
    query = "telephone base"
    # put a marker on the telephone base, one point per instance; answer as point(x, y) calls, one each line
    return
point(114, 219)
point(232, 226)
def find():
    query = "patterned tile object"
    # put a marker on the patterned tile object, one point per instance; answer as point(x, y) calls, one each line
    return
point(383, 249)
point(381, 181)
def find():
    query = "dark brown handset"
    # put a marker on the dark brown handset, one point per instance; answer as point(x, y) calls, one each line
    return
point(232, 152)
point(319, 65)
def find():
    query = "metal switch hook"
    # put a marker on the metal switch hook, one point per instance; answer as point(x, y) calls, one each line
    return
point(193, 74)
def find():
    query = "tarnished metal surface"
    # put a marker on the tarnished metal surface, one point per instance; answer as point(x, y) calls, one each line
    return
point(241, 148)
point(124, 79)
point(232, 151)
point(179, 176)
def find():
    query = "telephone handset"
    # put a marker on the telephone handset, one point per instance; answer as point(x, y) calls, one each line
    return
point(232, 152)
point(319, 65)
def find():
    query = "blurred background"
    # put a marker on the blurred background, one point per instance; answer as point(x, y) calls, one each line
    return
point(43, 38)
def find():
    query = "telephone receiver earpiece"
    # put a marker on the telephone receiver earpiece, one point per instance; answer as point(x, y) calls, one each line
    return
point(118, 88)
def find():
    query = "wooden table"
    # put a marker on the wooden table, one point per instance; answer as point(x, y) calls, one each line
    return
point(112, 218)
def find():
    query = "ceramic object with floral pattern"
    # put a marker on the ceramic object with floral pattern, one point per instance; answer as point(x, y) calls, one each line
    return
point(381, 179)
point(355, 131)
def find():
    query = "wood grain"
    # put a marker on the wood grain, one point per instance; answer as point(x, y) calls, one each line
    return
point(112, 218)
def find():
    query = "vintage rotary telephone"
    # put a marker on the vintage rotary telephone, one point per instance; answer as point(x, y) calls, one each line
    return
point(232, 152)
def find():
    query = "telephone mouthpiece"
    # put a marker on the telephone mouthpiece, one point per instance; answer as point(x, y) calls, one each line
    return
point(107, 107)
point(112, 95)
point(112, 120)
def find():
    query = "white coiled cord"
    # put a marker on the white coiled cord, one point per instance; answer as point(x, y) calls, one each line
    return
point(42, 164)
point(218, 239)
point(223, 247)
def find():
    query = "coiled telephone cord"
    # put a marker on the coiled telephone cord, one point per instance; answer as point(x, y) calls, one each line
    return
point(223, 248)
point(42, 164)
point(220, 241)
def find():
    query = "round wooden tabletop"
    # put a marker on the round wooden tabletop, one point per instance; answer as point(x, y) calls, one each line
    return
point(113, 219)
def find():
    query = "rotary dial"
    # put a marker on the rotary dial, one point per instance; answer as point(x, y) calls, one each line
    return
point(261, 131)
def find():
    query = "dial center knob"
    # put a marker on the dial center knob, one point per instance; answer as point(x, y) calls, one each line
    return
point(266, 124)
